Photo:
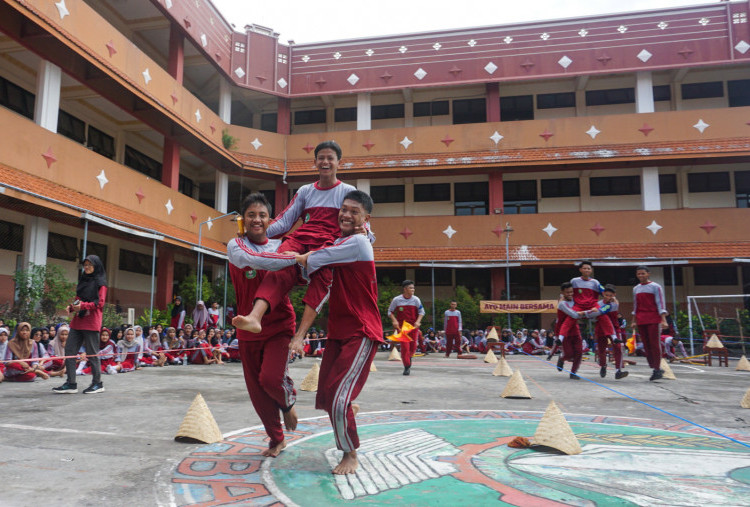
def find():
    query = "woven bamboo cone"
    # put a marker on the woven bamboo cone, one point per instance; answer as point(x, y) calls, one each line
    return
point(714, 342)
point(745, 403)
point(516, 387)
point(502, 369)
point(395, 355)
point(743, 364)
point(310, 382)
point(199, 424)
point(668, 373)
point(490, 357)
point(492, 336)
point(372, 367)
point(554, 431)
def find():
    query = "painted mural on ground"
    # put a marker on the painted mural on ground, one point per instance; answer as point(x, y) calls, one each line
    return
point(462, 458)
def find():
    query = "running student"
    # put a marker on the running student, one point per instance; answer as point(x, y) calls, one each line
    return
point(453, 325)
point(406, 307)
point(607, 328)
point(317, 204)
point(354, 326)
point(650, 313)
point(264, 354)
point(586, 290)
point(567, 318)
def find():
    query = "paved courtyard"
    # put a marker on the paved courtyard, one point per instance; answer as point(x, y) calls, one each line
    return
point(437, 437)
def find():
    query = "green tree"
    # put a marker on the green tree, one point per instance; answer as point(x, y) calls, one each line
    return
point(189, 287)
point(110, 318)
point(387, 290)
point(217, 289)
point(162, 317)
point(43, 292)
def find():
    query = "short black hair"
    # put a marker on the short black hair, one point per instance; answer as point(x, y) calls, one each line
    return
point(580, 264)
point(333, 145)
point(361, 197)
point(406, 283)
point(453, 301)
point(610, 288)
point(254, 198)
point(644, 268)
point(566, 285)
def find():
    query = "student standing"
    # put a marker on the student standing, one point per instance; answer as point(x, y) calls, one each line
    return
point(453, 325)
point(650, 313)
point(406, 307)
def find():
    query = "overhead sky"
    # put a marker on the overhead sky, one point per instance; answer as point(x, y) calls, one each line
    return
point(325, 20)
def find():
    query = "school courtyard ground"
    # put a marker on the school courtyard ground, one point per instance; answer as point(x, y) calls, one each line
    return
point(437, 437)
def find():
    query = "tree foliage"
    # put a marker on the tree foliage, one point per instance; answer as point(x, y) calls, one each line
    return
point(43, 292)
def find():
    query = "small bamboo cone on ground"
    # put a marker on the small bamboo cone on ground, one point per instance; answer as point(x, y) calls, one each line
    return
point(310, 382)
point(743, 364)
point(668, 373)
point(554, 431)
point(516, 387)
point(395, 355)
point(490, 357)
point(372, 367)
point(502, 369)
point(199, 424)
point(745, 403)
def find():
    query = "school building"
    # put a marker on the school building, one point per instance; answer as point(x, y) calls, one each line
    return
point(132, 127)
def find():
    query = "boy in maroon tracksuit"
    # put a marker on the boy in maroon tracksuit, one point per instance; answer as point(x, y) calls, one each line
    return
point(650, 312)
point(264, 355)
point(354, 325)
point(407, 307)
point(453, 325)
point(572, 341)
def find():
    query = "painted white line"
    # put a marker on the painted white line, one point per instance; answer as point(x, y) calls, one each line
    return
point(81, 432)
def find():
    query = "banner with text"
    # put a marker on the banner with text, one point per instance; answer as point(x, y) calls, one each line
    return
point(542, 306)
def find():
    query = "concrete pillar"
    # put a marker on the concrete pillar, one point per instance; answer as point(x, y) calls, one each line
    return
point(650, 195)
point(644, 92)
point(164, 275)
point(364, 111)
point(364, 185)
point(225, 101)
point(585, 188)
point(496, 193)
point(176, 63)
point(120, 146)
point(170, 170)
point(284, 116)
point(47, 105)
point(497, 276)
point(409, 113)
point(492, 102)
point(221, 193)
point(35, 236)
point(331, 118)
point(281, 197)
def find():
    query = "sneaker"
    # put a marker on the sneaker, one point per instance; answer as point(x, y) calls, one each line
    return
point(65, 389)
point(407, 370)
point(621, 374)
point(573, 376)
point(549, 356)
point(603, 371)
point(560, 363)
point(94, 388)
point(657, 374)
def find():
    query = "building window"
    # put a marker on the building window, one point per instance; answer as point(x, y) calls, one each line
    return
point(239, 47)
point(345, 114)
point(185, 186)
point(662, 92)
point(142, 163)
point(135, 262)
point(11, 236)
point(554, 100)
point(101, 143)
point(519, 197)
point(610, 97)
point(554, 277)
point(443, 276)
point(282, 58)
point(71, 127)
point(310, 117)
point(709, 182)
point(475, 280)
point(622, 277)
point(563, 187)
point(702, 90)
point(268, 122)
point(16, 98)
point(742, 188)
point(469, 111)
point(739, 92)
point(387, 193)
point(677, 276)
point(722, 274)
point(517, 108)
point(471, 198)
point(615, 185)
point(434, 108)
point(390, 276)
point(387, 111)
point(667, 183)
point(62, 247)
point(432, 192)
point(94, 248)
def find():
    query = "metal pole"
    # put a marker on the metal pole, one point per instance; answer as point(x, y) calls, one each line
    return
point(674, 298)
point(507, 266)
point(85, 237)
point(153, 276)
point(224, 306)
point(434, 324)
point(199, 277)
point(690, 328)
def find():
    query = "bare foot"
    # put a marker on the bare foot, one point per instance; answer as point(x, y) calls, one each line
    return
point(247, 323)
point(348, 464)
point(274, 451)
point(355, 409)
point(42, 374)
point(290, 419)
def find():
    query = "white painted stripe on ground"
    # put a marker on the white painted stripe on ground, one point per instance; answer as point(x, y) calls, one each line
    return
point(80, 432)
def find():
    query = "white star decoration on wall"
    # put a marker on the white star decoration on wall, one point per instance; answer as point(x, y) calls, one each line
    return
point(654, 227)
point(256, 144)
point(550, 229)
point(169, 207)
point(593, 132)
point(198, 115)
point(496, 137)
point(62, 9)
point(146, 76)
point(450, 231)
point(405, 142)
point(701, 125)
point(102, 179)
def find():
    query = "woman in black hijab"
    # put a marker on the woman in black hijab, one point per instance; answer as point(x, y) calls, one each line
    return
point(91, 293)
